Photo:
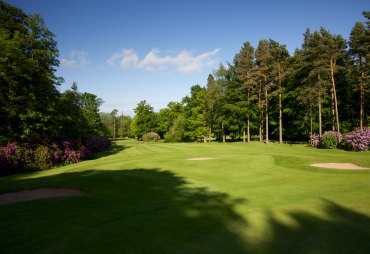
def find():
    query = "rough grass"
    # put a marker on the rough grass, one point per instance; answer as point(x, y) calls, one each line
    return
point(147, 198)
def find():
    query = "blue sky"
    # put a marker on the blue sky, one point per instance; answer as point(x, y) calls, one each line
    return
point(128, 51)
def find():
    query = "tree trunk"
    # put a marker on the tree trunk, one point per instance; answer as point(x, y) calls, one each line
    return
point(244, 136)
point(248, 132)
point(319, 103)
point(280, 119)
point(223, 134)
point(267, 115)
point(260, 112)
point(362, 99)
point(280, 111)
point(311, 121)
point(332, 67)
point(248, 125)
point(210, 134)
point(320, 121)
point(114, 127)
point(332, 109)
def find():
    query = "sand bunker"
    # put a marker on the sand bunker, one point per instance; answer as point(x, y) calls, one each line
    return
point(347, 166)
point(26, 195)
point(200, 159)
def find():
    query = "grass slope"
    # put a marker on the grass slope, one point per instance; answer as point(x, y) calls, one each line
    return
point(147, 198)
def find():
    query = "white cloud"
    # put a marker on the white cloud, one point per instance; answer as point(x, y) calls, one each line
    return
point(184, 61)
point(76, 60)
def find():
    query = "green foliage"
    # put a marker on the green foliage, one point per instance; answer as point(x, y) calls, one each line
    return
point(90, 104)
point(28, 57)
point(42, 158)
point(177, 130)
point(330, 140)
point(145, 120)
point(167, 116)
point(30, 104)
point(195, 114)
point(124, 123)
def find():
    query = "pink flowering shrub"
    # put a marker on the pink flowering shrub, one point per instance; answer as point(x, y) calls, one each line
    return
point(331, 140)
point(358, 140)
point(151, 136)
point(315, 140)
point(17, 156)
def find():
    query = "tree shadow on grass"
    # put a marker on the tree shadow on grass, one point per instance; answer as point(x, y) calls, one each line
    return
point(341, 231)
point(114, 149)
point(156, 211)
point(125, 211)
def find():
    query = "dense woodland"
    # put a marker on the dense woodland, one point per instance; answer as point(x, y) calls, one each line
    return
point(264, 94)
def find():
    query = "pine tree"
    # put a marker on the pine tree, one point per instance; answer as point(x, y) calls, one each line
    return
point(359, 49)
point(244, 63)
point(279, 55)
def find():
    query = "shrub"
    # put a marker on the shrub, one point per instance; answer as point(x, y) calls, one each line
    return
point(331, 140)
point(358, 140)
point(315, 140)
point(43, 154)
point(151, 136)
point(95, 144)
point(15, 156)
point(42, 157)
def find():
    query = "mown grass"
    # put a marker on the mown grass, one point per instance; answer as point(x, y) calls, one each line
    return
point(147, 198)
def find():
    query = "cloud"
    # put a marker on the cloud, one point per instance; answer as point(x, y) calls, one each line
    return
point(76, 60)
point(184, 61)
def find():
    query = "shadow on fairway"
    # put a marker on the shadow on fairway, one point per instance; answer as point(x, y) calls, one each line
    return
point(115, 148)
point(155, 211)
point(125, 211)
point(341, 231)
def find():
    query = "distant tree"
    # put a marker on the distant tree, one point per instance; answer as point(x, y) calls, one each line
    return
point(106, 119)
point(70, 116)
point(195, 113)
point(213, 100)
point(124, 126)
point(144, 120)
point(90, 105)
point(114, 122)
point(167, 117)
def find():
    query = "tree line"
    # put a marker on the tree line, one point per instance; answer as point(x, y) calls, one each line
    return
point(31, 107)
point(266, 93)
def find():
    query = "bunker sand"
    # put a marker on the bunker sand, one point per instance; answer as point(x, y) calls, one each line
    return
point(27, 195)
point(345, 166)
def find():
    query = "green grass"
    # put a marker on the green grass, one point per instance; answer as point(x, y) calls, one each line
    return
point(147, 198)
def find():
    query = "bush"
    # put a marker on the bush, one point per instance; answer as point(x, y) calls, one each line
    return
point(17, 156)
point(315, 140)
point(331, 140)
point(358, 140)
point(151, 136)
point(42, 157)
point(95, 144)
